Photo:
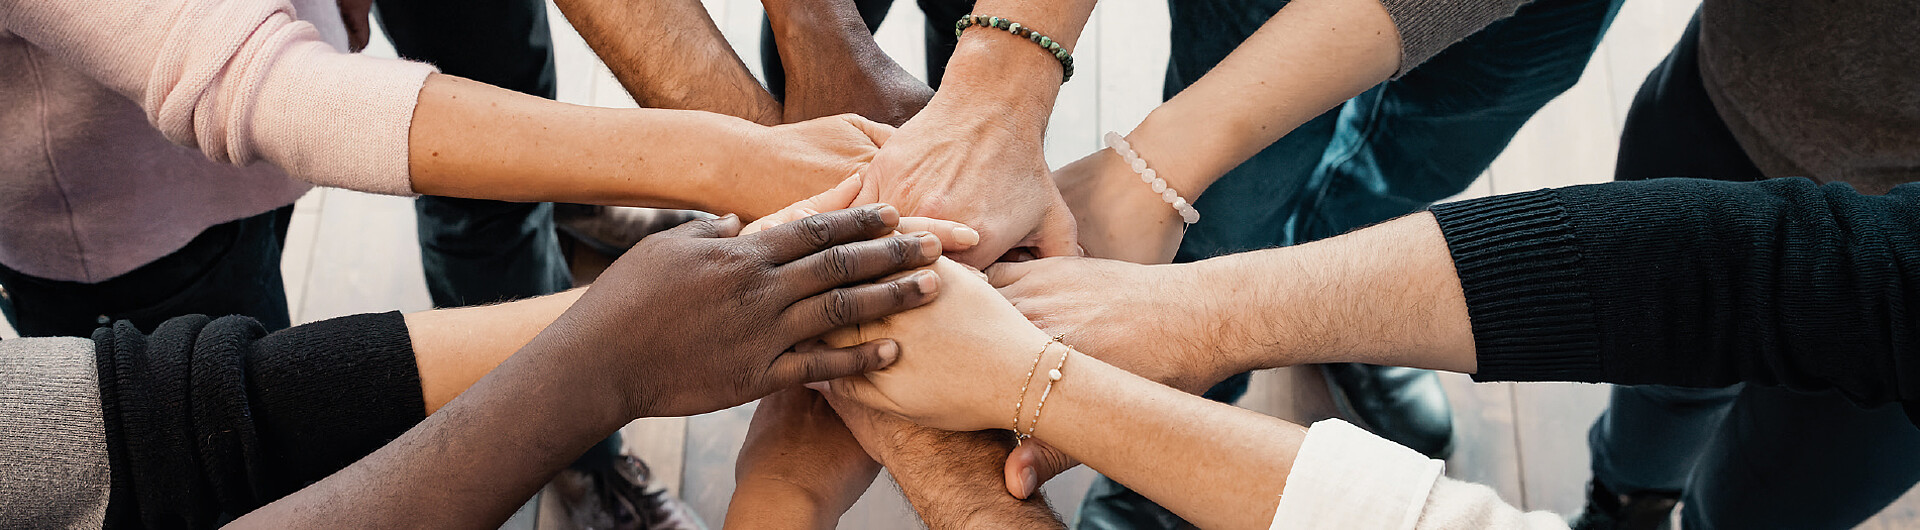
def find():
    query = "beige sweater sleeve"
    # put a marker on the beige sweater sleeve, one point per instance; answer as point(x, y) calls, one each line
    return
point(1345, 477)
point(242, 81)
point(1428, 26)
point(53, 441)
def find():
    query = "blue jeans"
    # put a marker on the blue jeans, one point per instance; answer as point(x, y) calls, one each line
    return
point(1742, 456)
point(479, 251)
point(1396, 148)
point(1391, 151)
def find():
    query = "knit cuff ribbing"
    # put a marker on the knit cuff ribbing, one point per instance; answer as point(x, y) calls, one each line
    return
point(1428, 26)
point(1518, 262)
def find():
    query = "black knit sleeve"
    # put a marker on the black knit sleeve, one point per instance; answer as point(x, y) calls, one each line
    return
point(209, 419)
point(1695, 283)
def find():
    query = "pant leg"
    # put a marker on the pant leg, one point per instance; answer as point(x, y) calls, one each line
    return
point(231, 268)
point(1650, 436)
point(1783, 459)
point(478, 251)
point(939, 37)
point(1426, 136)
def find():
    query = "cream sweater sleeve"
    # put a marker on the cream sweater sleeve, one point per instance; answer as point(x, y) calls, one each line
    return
point(1345, 477)
point(242, 81)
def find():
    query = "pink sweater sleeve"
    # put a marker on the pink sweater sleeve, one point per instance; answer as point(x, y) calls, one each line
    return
point(241, 80)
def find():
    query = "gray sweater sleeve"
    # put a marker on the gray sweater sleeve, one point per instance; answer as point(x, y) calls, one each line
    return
point(53, 444)
point(1428, 26)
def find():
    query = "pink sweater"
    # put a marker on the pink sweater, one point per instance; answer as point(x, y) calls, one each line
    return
point(98, 96)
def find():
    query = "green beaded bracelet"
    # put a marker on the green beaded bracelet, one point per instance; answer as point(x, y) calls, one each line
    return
point(1047, 43)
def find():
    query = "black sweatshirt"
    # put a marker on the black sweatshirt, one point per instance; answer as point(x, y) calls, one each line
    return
point(209, 419)
point(1696, 283)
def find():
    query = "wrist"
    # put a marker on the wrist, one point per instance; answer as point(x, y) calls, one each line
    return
point(1178, 150)
point(1233, 335)
point(998, 76)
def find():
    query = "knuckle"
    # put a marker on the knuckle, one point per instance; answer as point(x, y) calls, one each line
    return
point(837, 265)
point(816, 230)
point(842, 307)
point(903, 250)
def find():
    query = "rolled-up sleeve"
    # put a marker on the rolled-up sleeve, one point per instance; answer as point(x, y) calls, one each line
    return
point(242, 81)
point(1428, 26)
point(1345, 477)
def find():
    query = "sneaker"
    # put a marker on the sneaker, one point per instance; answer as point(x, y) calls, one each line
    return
point(620, 497)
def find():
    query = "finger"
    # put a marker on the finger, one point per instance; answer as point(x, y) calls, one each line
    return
point(796, 368)
point(1005, 274)
point(858, 262)
point(876, 131)
point(839, 197)
point(1057, 235)
point(859, 390)
point(953, 235)
point(814, 233)
point(727, 226)
point(1034, 463)
point(858, 304)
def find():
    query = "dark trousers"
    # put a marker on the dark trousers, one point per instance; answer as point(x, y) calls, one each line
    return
point(231, 268)
point(479, 251)
point(1741, 457)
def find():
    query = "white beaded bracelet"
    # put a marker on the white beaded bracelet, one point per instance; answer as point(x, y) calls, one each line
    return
point(1139, 167)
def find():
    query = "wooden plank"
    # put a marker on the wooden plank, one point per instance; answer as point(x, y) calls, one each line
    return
point(1485, 450)
point(1073, 130)
point(366, 258)
point(713, 441)
point(903, 37)
point(1551, 421)
point(1133, 44)
point(296, 255)
point(573, 61)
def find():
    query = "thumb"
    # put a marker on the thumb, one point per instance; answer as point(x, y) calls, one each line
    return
point(727, 226)
point(1004, 274)
point(1057, 234)
point(800, 367)
point(1034, 463)
point(859, 390)
point(876, 131)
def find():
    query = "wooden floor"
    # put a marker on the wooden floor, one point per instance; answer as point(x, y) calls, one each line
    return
point(352, 252)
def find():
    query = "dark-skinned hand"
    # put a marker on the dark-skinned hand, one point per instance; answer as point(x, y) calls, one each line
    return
point(694, 320)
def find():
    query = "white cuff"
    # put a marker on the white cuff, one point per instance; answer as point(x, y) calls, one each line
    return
point(1345, 477)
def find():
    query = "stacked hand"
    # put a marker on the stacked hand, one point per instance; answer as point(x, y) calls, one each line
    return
point(742, 303)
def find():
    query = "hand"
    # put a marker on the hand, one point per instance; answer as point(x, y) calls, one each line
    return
point(954, 237)
point(354, 14)
point(1142, 319)
point(977, 164)
point(833, 66)
point(786, 163)
point(1118, 217)
point(962, 357)
point(797, 443)
point(1154, 321)
point(694, 320)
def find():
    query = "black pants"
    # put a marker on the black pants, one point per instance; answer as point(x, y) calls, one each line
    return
point(229, 269)
point(1742, 456)
point(479, 251)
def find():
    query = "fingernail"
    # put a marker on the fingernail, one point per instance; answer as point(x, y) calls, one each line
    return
point(889, 214)
point(729, 217)
point(966, 236)
point(820, 386)
point(927, 281)
point(1029, 481)
point(808, 212)
point(929, 245)
point(889, 351)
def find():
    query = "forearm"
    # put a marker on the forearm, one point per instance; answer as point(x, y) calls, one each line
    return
point(473, 140)
point(955, 480)
point(454, 348)
point(669, 54)
point(1308, 58)
point(765, 503)
point(1215, 465)
point(516, 427)
point(1387, 295)
point(991, 68)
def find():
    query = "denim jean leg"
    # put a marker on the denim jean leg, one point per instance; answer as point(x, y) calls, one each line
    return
point(1650, 436)
point(478, 251)
point(1427, 135)
point(1785, 459)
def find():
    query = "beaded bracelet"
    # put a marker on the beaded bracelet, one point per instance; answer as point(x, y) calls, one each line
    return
point(1150, 178)
point(1053, 376)
point(1047, 43)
